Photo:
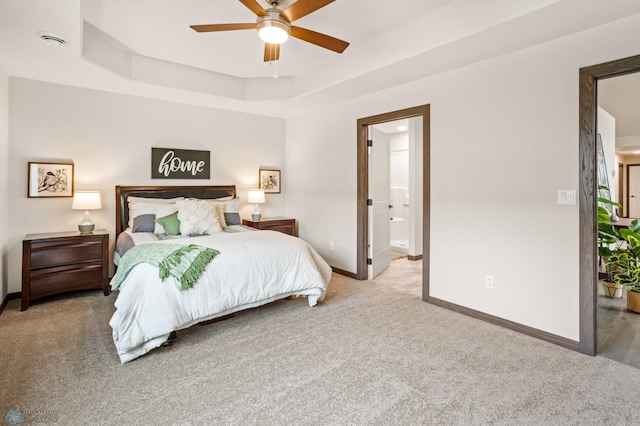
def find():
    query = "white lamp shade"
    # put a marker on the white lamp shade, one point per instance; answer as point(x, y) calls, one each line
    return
point(86, 200)
point(256, 196)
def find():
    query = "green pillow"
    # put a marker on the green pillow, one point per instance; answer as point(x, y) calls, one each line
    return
point(170, 223)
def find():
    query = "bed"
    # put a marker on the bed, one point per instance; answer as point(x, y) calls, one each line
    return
point(248, 267)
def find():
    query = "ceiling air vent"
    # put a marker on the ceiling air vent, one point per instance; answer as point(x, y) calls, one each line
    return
point(51, 39)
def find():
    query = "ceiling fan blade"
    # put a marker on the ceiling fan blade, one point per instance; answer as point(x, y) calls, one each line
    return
point(255, 7)
point(319, 39)
point(271, 52)
point(303, 7)
point(222, 27)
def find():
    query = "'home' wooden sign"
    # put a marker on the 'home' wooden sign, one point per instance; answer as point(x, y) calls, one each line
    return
point(169, 163)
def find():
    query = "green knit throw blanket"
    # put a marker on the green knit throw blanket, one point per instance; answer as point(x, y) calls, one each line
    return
point(185, 263)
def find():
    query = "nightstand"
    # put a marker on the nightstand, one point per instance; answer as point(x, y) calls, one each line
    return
point(283, 224)
point(58, 262)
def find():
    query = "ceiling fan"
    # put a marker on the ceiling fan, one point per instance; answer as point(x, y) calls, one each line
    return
point(274, 26)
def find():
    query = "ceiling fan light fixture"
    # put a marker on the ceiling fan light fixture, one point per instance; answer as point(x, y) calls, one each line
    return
point(272, 30)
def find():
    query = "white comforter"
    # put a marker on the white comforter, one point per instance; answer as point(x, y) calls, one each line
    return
point(253, 268)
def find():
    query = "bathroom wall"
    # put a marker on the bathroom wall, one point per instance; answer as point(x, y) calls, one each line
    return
point(399, 181)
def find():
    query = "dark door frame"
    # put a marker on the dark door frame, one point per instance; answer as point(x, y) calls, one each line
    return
point(589, 77)
point(627, 199)
point(363, 187)
point(622, 190)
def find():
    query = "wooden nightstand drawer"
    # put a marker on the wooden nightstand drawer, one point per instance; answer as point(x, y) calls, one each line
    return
point(45, 255)
point(58, 262)
point(285, 229)
point(47, 281)
point(282, 224)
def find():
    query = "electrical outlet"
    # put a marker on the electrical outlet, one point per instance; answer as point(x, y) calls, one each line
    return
point(332, 246)
point(488, 281)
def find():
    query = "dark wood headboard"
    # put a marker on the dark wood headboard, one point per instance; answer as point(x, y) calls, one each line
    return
point(123, 192)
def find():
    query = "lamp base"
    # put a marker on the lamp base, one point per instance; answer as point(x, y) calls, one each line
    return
point(86, 228)
point(256, 214)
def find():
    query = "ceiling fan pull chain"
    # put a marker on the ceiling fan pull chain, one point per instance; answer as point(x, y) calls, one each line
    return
point(275, 69)
point(272, 49)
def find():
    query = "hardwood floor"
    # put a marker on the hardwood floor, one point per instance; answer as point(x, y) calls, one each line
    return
point(618, 330)
point(403, 274)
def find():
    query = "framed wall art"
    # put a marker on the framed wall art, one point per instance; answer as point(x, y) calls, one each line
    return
point(269, 181)
point(49, 180)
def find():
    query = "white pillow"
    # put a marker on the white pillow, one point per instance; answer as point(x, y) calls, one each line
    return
point(137, 207)
point(153, 200)
point(222, 198)
point(197, 217)
point(230, 206)
point(219, 208)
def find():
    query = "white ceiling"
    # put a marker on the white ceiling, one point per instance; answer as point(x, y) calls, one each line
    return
point(146, 48)
point(160, 29)
point(620, 97)
point(392, 127)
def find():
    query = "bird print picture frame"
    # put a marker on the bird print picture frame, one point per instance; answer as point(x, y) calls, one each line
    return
point(50, 180)
point(269, 181)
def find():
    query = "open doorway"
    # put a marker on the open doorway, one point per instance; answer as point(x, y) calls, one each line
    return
point(618, 128)
point(395, 188)
point(401, 151)
point(588, 279)
point(363, 189)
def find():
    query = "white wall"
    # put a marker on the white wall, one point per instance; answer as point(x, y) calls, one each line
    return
point(504, 139)
point(399, 159)
point(4, 181)
point(416, 193)
point(399, 194)
point(109, 138)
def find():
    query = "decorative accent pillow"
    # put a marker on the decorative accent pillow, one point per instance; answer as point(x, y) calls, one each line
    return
point(197, 217)
point(137, 212)
point(171, 224)
point(164, 210)
point(232, 219)
point(144, 223)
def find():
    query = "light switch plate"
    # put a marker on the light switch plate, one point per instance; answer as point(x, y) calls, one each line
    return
point(567, 197)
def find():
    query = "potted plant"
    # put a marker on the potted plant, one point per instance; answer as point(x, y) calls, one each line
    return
point(609, 242)
point(625, 264)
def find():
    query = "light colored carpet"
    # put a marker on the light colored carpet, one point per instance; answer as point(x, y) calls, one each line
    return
point(367, 355)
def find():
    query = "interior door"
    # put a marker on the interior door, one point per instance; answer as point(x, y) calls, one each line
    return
point(634, 191)
point(379, 193)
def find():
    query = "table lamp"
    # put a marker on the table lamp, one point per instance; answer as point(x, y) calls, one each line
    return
point(256, 196)
point(86, 200)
